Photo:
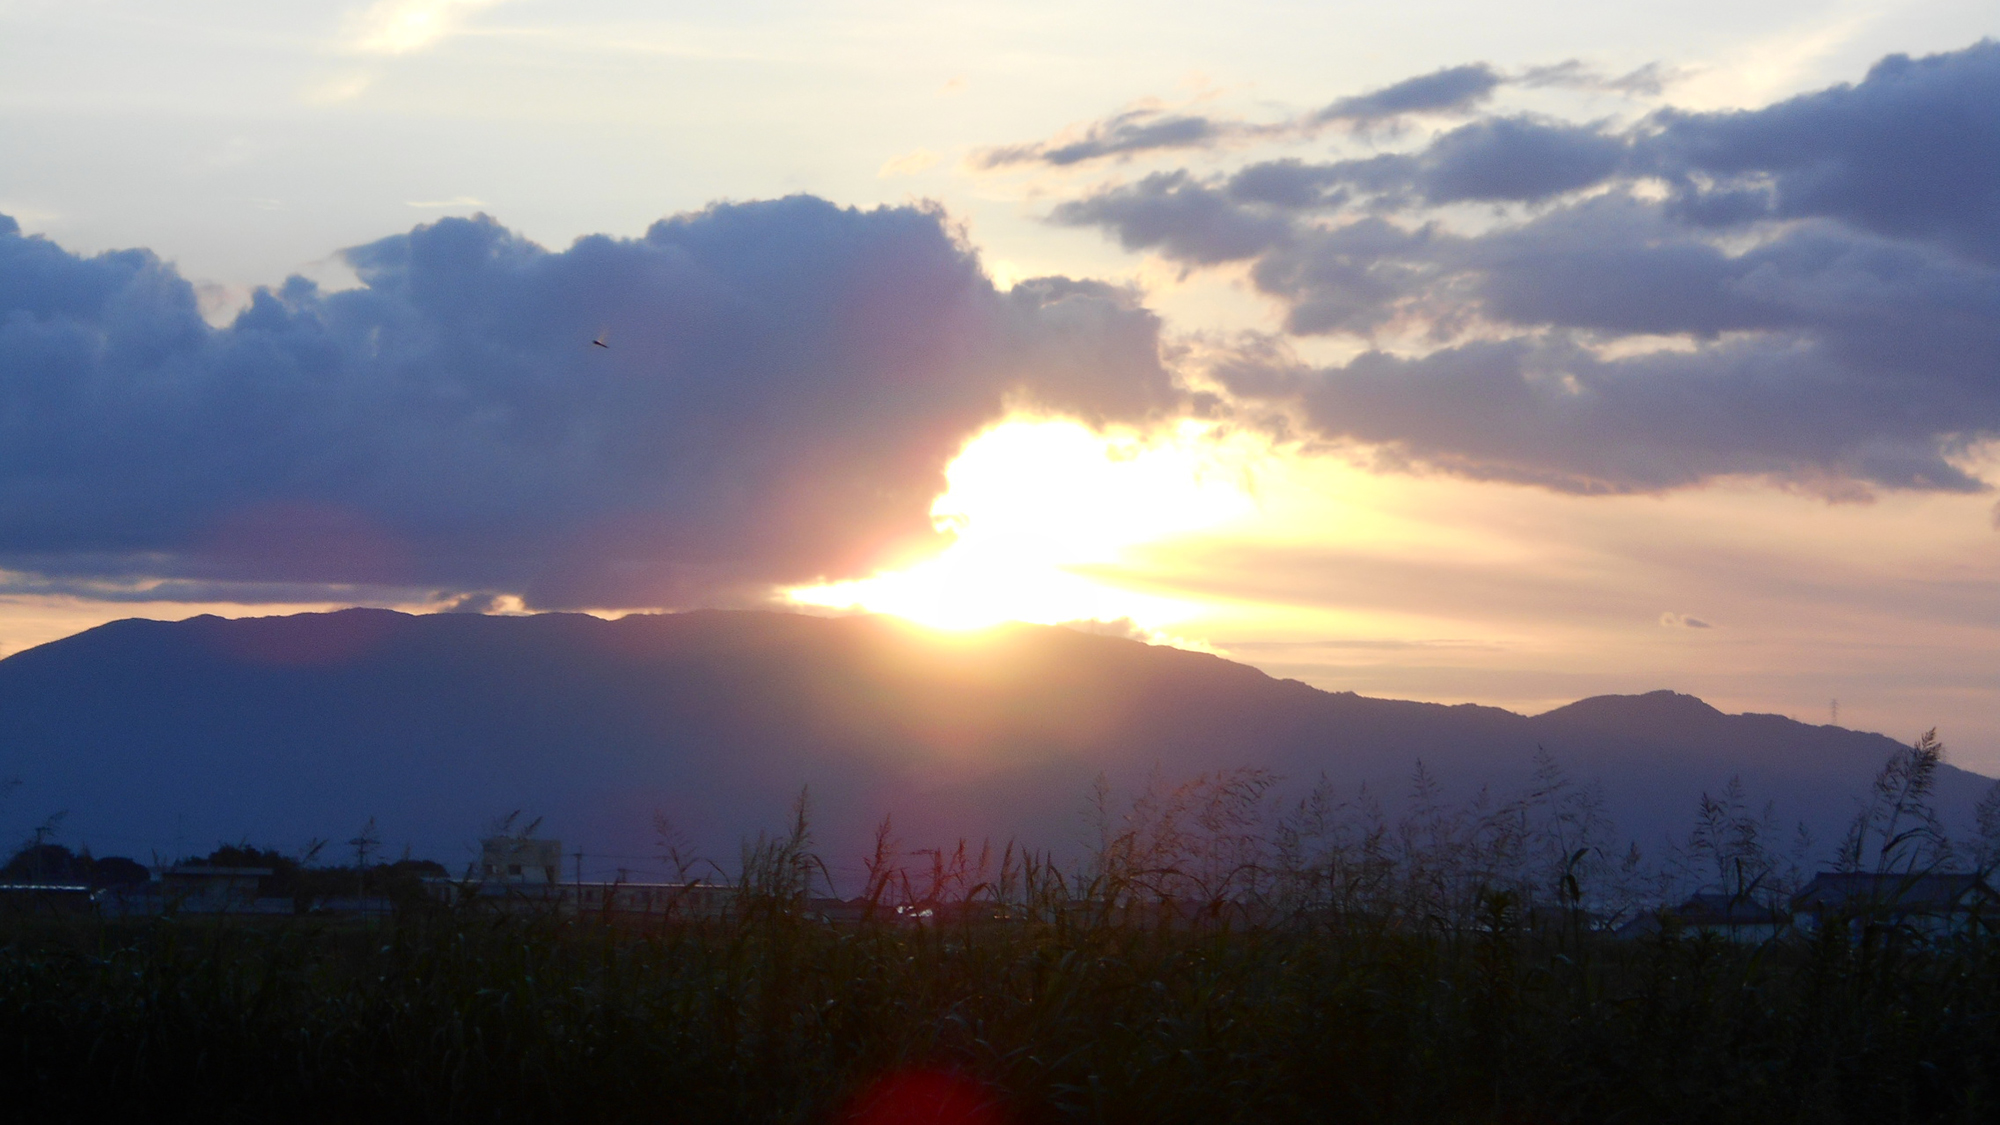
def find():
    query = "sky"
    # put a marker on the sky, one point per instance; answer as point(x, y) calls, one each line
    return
point(1431, 350)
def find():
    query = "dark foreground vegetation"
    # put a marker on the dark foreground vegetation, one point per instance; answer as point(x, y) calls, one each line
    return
point(1207, 965)
point(778, 1018)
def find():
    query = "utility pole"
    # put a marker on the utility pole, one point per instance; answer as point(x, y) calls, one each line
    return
point(41, 837)
point(42, 833)
point(362, 843)
point(579, 882)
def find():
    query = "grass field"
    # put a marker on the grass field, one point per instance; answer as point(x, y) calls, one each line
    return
point(1450, 966)
point(774, 1018)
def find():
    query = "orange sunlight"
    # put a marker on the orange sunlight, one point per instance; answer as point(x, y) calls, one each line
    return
point(1039, 510)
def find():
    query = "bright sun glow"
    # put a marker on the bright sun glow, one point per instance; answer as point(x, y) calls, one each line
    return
point(1041, 512)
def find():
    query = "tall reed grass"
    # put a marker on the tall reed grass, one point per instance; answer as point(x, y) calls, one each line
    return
point(1204, 966)
point(775, 1018)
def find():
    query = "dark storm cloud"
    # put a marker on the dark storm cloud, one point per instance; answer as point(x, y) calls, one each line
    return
point(784, 385)
point(1551, 414)
point(1500, 159)
point(1825, 266)
point(1913, 151)
point(1177, 214)
point(1515, 158)
point(1205, 221)
point(121, 587)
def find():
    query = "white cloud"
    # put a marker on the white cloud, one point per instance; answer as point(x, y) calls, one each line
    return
point(340, 88)
point(398, 27)
point(1764, 70)
point(908, 164)
point(219, 302)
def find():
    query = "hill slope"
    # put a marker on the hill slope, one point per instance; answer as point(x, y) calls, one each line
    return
point(177, 736)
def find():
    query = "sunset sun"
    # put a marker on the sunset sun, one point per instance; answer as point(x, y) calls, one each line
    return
point(1041, 512)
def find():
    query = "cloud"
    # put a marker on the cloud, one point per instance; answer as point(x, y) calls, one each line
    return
point(786, 382)
point(1118, 627)
point(1553, 415)
point(336, 89)
point(1454, 89)
point(1911, 152)
point(1174, 213)
point(908, 164)
point(484, 602)
point(1134, 131)
point(1808, 292)
point(389, 28)
point(1499, 159)
point(1515, 158)
point(1682, 621)
point(1650, 80)
point(399, 27)
point(128, 589)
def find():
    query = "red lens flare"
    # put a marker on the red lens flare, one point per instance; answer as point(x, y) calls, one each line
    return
point(925, 1097)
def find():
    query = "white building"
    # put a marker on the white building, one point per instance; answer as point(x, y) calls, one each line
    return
point(520, 860)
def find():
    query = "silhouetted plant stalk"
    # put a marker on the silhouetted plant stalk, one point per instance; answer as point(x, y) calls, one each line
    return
point(1217, 848)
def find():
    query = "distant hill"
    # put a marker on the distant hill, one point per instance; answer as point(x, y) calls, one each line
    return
point(179, 736)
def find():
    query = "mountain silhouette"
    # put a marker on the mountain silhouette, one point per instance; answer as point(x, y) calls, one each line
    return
point(168, 738)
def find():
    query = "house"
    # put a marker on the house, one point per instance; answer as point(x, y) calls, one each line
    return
point(520, 870)
point(525, 873)
point(354, 906)
point(1933, 904)
point(521, 861)
point(638, 901)
point(618, 901)
point(130, 900)
point(58, 899)
point(199, 888)
point(1735, 917)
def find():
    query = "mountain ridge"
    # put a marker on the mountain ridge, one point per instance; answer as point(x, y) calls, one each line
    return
point(177, 736)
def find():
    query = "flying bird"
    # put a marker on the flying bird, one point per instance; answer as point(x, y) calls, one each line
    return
point(600, 340)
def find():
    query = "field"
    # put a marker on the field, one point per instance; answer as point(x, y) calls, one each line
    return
point(776, 1018)
point(1455, 965)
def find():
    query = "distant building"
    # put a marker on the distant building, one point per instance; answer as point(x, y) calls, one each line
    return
point(355, 906)
point(520, 860)
point(1934, 904)
point(639, 901)
point(198, 888)
point(1735, 917)
point(522, 873)
point(58, 899)
point(130, 900)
